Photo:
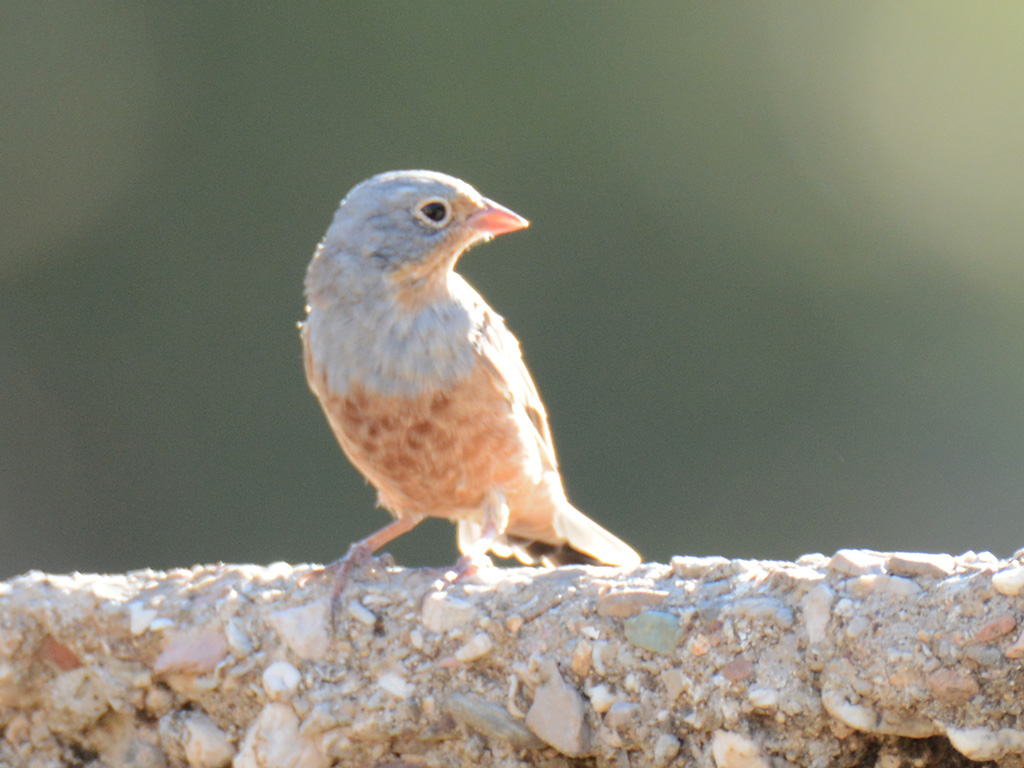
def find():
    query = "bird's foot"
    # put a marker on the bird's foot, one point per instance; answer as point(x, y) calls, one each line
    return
point(359, 556)
point(467, 566)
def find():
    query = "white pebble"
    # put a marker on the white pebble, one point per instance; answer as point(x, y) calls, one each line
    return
point(238, 640)
point(478, 645)
point(442, 612)
point(856, 562)
point(666, 748)
point(601, 698)
point(597, 658)
point(274, 740)
point(281, 680)
point(890, 586)
point(918, 564)
point(361, 613)
point(764, 698)
point(278, 570)
point(557, 714)
point(984, 743)
point(304, 629)
point(675, 682)
point(858, 716)
point(1009, 581)
point(731, 750)
point(206, 745)
point(396, 685)
point(845, 607)
point(857, 626)
point(817, 611)
point(622, 714)
point(140, 618)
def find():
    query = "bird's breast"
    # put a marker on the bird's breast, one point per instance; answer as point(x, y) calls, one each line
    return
point(384, 347)
point(437, 452)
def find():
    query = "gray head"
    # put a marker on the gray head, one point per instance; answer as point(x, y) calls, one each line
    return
point(412, 225)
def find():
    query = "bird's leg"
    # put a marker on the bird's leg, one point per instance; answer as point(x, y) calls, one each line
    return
point(359, 554)
point(495, 522)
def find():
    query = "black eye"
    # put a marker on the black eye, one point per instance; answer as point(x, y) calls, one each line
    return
point(435, 211)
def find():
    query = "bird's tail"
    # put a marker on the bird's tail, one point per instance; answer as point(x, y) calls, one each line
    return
point(572, 539)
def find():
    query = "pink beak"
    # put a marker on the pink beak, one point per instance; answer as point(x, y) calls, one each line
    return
point(494, 219)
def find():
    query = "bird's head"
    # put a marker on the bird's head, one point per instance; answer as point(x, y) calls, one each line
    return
point(412, 226)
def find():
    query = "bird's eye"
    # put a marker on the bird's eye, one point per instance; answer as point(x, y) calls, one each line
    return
point(434, 212)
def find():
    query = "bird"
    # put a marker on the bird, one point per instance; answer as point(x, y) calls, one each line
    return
point(424, 386)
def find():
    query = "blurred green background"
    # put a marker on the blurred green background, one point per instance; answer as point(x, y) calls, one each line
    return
point(773, 292)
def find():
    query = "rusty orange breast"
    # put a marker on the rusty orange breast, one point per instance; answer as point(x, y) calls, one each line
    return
point(434, 454)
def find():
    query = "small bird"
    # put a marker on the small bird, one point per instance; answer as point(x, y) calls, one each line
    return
point(423, 385)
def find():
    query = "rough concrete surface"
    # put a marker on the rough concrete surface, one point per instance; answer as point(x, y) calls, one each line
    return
point(859, 659)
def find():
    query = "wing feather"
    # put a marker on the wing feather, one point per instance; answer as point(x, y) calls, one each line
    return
point(499, 353)
point(574, 538)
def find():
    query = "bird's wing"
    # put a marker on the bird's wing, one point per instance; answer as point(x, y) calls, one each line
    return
point(573, 537)
point(498, 352)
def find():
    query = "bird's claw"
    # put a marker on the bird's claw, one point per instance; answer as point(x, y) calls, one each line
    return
point(359, 556)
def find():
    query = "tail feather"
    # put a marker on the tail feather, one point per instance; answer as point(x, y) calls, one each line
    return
point(587, 538)
point(552, 555)
point(570, 538)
